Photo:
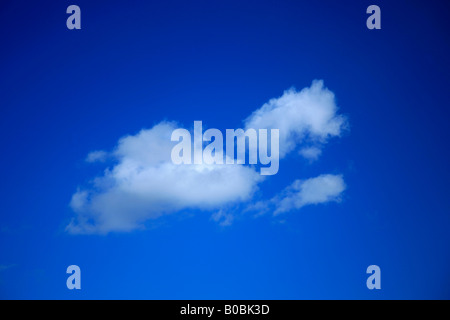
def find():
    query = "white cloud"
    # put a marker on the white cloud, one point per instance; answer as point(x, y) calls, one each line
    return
point(311, 153)
point(324, 188)
point(144, 184)
point(223, 218)
point(96, 156)
point(321, 189)
point(306, 115)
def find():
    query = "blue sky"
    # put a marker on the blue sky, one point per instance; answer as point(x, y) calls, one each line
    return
point(65, 93)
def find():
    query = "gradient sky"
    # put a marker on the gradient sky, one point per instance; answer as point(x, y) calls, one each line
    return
point(65, 93)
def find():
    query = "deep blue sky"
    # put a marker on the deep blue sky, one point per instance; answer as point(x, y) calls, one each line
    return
point(64, 93)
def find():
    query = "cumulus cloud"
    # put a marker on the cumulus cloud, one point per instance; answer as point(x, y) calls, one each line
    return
point(321, 189)
point(306, 115)
point(143, 183)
